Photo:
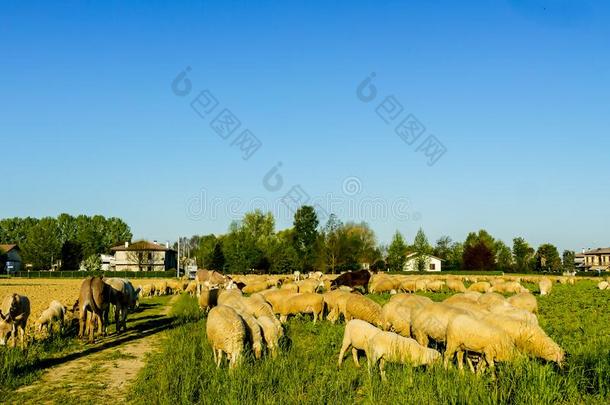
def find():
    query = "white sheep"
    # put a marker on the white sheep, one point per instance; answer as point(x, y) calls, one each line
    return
point(253, 333)
point(335, 302)
point(226, 332)
point(466, 333)
point(208, 298)
point(545, 285)
point(411, 300)
point(435, 285)
point(490, 298)
point(529, 338)
point(602, 285)
point(432, 320)
point(357, 335)
point(455, 285)
point(361, 307)
point(481, 286)
point(271, 333)
point(525, 301)
point(307, 303)
point(390, 347)
point(55, 313)
point(397, 318)
point(509, 287)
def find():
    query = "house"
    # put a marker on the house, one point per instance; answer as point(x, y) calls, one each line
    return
point(107, 262)
point(597, 259)
point(143, 256)
point(10, 259)
point(579, 261)
point(433, 263)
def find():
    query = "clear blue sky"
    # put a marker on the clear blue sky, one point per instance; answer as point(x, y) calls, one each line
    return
point(517, 92)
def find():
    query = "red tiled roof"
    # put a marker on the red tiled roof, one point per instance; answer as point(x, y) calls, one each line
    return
point(598, 251)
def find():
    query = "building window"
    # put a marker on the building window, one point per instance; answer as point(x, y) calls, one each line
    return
point(432, 266)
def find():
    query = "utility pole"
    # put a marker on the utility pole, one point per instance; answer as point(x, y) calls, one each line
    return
point(178, 264)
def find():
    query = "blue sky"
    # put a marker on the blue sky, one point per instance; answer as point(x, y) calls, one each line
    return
point(516, 91)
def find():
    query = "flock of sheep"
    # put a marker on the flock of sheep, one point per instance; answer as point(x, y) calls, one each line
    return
point(476, 325)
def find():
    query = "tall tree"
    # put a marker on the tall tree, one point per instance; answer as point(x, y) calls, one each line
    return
point(305, 235)
point(522, 255)
point(397, 253)
point(504, 256)
point(547, 258)
point(478, 256)
point(217, 258)
point(422, 249)
point(568, 260)
point(442, 249)
point(41, 247)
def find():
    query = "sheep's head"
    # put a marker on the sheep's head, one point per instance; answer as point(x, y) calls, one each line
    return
point(5, 329)
point(432, 356)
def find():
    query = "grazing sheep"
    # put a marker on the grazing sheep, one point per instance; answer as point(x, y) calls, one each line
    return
point(545, 285)
point(466, 333)
point(271, 333)
point(390, 347)
point(490, 298)
point(292, 287)
point(529, 338)
point(191, 288)
point(514, 312)
point(481, 286)
point(255, 287)
point(258, 307)
point(335, 300)
point(147, 290)
point(396, 318)
point(55, 313)
point(435, 286)
point(227, 295)
point(421, 285)
point(14, 314)
point(306, 303)
point(408, 285)
point(275, 297)
point(226, 332)
point(525, 301)
point(456, 285)
point(361, 307)
point(161, 288)
point(432, 320)
point(509, 287)
point(310, 285)
point(357, 335)
point(253, 333)
point(208, 298)
point(382, 285)
point(410, 300)
point(602, 285)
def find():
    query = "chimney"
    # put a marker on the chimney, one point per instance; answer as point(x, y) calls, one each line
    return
point(126, 245)
point(167, 245)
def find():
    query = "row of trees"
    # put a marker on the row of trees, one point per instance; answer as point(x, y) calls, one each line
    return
point(66, 239)
point(252, 244)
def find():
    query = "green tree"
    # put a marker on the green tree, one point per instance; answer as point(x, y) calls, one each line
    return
point(504, 256)
point(41, 247)
point(397, 253)
point(305, 235)
point(442, 249)
point(71, 255)
point(217, 258)
point(568, 260)
point(547, 258)
point(455, 259)
point(422, 249)
point(93, 263)
point(334, 242)
point(522, 255)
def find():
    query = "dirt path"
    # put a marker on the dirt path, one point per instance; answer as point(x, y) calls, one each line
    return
point(104, 371)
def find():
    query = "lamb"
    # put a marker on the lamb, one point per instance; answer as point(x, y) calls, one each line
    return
point(481, 286)
point(360, 307)
point(208, 298)
point(390, 347)
point(545, 286)
point(226, 332)
point(307, 303)
point(253, 333)
point(271, 333)
point(525, 301)
point(357, 335)
point(456, 285)
point(432, 320)
point(14, 314)
point(397, 318)
point(466, 333)
point(55, 313)
point(528, 337)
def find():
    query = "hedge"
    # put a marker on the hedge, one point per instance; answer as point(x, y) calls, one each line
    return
point(83, 274)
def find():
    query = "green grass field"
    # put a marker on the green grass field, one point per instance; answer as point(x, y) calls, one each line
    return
point(577, 317)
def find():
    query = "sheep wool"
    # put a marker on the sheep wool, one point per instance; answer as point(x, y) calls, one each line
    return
point(307, 303)
point(525, 301)
point(545, 285)
point(397, 318)
point(226, 333)
point(361, 307)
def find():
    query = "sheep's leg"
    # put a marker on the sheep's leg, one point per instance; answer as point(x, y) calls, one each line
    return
point(344, 347)
point(460, 359)
point(421, 338)
point(449, 352)
point(355, 357)
point(382, 369)
point(215, 355)
point(470, 365)
point(219, 359)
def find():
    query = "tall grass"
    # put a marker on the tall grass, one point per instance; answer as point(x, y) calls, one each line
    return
point(577, 317)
